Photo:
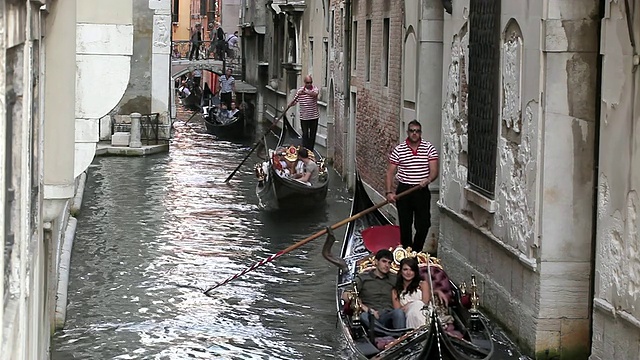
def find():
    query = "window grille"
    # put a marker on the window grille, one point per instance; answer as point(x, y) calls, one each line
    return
point(483, 99)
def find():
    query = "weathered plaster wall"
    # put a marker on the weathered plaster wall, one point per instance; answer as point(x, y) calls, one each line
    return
point(616, 315)
point(104, 46)
point(137, 97)
point(230, 15)
point(181, 29)
point(336, 84)
point(538, 224)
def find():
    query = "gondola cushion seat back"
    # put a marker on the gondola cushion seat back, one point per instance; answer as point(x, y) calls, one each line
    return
point(381, 237)
point(439, 279)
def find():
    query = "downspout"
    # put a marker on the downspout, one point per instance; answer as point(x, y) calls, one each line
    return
point(347, 70)
point(596, 169)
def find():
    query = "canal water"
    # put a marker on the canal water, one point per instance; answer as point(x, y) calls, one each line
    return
point(153, 229)
point(151, 225)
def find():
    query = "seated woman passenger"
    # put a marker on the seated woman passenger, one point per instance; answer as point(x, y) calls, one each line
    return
point(279, 163)
point(411, 293)
point(311, 171)
point(233, 111)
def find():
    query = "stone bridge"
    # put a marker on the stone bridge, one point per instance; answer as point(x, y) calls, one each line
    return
point(180, 67)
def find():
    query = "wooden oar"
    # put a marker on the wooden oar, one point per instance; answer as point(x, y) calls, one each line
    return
point(253, 149)
point(306, 240)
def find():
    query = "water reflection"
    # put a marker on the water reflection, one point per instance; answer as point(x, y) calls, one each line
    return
point(149, 224)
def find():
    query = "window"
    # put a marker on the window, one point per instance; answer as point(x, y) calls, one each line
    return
point(261, 52)
point(484, 95)
point(331, 36)
point(176, 11)
point(367, 52)
point(310, 62)
point(203, 7)
point(354, 45)
point(385, 52)
point(325, 62)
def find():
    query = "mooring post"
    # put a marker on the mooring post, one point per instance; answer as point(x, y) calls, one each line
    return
point(134, 140)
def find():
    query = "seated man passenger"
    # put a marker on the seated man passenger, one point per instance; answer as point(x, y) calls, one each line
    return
point(375, 293)
point(311, 171)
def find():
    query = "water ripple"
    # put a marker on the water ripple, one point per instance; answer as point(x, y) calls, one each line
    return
point(149, 225)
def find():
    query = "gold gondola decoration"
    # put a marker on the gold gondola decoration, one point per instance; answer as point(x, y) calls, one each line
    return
point(400, 253)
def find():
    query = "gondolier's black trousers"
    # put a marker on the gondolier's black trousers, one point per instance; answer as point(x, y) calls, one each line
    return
point(414, 209)
point(226, 98)
point(309, 130)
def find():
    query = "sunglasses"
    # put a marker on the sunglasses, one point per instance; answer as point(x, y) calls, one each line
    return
point(416, 131)
point(308, 82)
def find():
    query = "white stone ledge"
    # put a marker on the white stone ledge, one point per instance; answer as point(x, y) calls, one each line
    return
point(607, 308)
point(275, 90)
point(530, 263)
point(484, 202)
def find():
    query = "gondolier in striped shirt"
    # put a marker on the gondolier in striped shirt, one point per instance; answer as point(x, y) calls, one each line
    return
point(307, 96)
point(414, 163)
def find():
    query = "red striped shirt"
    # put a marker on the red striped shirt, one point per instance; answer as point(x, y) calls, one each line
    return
point(308, 104)
point(413, 166)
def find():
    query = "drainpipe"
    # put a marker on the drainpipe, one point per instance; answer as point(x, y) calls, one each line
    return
point(347, 72)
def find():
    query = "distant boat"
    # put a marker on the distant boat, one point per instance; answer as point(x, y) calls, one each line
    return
point(216, 122)
point(467, 334)
point(276, 191)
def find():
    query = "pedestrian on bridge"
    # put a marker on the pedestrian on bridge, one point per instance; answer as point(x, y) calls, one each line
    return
point(196, 40)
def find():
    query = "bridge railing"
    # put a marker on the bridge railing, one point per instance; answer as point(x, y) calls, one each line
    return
point(209, 49)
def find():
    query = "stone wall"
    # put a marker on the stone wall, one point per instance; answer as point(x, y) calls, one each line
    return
point(529, 241)
point(616, 314)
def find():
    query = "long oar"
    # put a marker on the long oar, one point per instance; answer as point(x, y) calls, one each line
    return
point(306, 240)
point(252, 150)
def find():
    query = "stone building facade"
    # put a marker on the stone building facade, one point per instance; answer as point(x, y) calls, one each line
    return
point(140, 52)
point(537, 140)
point(518, 143)
point(66, 64)
point(616, 306)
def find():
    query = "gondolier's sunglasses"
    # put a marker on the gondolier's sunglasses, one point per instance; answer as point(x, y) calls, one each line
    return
point(418, 131)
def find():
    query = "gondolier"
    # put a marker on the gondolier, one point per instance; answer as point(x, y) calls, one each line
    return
point(307, 96)
point(226, 87)
point(414, 163)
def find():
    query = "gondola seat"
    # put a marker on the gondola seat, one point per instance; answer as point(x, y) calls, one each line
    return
point(439, 279)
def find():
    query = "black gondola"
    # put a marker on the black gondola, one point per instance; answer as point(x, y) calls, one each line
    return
point(276, 191)
point(467, 334)
point(216, 123)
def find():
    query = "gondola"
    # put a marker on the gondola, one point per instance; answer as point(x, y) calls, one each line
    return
point(217, 124)
point(278, 191)
point(467, 334)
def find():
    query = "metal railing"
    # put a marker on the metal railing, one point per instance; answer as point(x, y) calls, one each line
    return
point(208, 49)
point(149, 128)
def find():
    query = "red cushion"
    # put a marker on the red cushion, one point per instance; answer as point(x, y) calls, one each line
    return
point(381, 237)
point(346, 308)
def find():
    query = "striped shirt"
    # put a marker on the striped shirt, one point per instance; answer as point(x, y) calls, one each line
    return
point(226, 84)
point(308, 104)
point(413, 166)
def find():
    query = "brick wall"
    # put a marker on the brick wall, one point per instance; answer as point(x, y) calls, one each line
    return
point(378, 106)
